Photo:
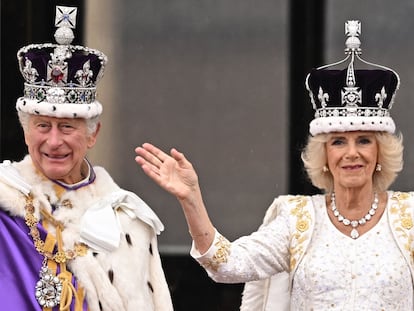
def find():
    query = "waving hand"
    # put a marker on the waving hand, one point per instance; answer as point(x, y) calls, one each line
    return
point(174, 173)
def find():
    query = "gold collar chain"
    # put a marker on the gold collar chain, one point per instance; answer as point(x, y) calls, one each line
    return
point(61, 256)
point(52, 290)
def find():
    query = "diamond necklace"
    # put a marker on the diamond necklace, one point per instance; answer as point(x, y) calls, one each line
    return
point(354, 223)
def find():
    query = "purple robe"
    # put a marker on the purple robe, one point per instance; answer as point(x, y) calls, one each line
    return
point(19, 265)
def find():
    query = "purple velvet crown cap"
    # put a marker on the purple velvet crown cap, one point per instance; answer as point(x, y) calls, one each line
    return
point(369, 82)
point(352, 99)
point(40, 56)
point(60, 78)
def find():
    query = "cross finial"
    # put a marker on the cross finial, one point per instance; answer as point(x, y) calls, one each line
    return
point(65, 21)
point(65, 16)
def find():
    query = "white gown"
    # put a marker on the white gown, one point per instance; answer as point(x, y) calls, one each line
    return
point(335, 272)
point(340, 273)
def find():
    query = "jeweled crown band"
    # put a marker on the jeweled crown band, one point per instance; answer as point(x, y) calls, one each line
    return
point(351, 112)
point(59, 95)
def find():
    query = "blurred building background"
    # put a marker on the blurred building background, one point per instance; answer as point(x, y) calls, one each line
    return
point(223, 81)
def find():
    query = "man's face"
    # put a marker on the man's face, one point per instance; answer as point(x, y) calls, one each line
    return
point(58, 146)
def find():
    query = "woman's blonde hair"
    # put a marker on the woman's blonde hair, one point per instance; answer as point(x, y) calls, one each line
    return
point(390, 157)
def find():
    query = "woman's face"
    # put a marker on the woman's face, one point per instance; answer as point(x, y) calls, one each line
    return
point(352, 157)
point(58, 146)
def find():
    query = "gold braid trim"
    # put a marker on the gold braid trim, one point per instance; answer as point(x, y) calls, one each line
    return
point(402, 220)
point(303, 221)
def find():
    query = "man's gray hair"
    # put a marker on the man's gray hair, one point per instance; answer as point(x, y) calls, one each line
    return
point(91, 123)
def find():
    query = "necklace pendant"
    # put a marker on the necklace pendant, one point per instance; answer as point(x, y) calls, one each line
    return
point(354, 223)
point(48, 288)
point(354, 233)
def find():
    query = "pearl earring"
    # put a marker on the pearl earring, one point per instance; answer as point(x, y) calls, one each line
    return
point(325, 169)
point(378, 167)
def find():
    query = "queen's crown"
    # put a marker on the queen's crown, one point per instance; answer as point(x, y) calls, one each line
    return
point(350, 99)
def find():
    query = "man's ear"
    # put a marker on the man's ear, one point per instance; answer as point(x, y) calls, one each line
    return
point(94, 136)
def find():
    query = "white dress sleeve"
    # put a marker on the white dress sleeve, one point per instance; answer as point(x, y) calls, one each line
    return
point(249, 258)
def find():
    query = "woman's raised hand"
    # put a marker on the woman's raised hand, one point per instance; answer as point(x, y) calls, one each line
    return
point(176, 174)
point(172, 172)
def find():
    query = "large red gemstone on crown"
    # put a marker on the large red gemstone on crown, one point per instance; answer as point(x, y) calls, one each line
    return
point(56, 75)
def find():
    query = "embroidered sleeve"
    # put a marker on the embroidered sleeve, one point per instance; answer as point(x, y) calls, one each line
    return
point(216, 255)
point(253, 257)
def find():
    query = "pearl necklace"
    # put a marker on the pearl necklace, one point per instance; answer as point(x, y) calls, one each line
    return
point(354, 223)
